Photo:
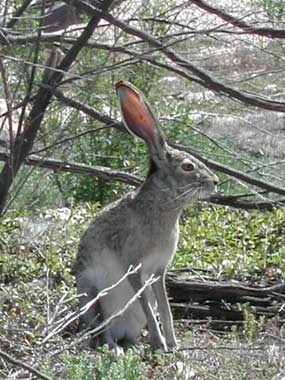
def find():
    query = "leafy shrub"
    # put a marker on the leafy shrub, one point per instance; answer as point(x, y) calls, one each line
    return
point(102, 365)
point(235, 243)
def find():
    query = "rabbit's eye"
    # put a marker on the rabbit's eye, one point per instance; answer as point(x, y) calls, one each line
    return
point(187, 167)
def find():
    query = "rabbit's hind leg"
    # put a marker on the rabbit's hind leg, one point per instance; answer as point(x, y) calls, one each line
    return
point(104, 274)
point(93, 314)
point(87, 293)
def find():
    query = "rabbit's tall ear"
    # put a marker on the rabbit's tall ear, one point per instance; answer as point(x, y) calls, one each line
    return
point(140, 120)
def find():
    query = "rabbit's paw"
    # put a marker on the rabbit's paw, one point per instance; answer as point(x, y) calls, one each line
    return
point(157, 342)
point(171, 344)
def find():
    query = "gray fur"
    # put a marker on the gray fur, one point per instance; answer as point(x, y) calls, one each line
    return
point(143, 228)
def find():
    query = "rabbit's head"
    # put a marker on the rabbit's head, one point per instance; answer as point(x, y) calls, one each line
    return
point(180, 177)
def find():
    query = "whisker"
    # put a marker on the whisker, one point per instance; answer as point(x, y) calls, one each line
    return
point(188, 192)
point(193, 184)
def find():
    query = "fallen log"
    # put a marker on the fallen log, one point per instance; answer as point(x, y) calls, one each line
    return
point(194, 297)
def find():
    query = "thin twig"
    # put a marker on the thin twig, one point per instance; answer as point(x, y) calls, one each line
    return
point(18, 14)
point(264, 32)
point(107, 321)
point(102, 325)
point(64, 322)
point(208, 81)
point(21, 364)
point(230, 348)
point(8, 104)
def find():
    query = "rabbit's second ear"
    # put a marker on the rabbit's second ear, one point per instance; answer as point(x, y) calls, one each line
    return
point(139, 119)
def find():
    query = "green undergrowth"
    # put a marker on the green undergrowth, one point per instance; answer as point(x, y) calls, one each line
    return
point(221, 240)
point(236, 244)
point(37, 288)
point(206, 359)
point(105, 365)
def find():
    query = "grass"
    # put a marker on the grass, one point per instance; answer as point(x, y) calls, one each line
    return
point(37, 289)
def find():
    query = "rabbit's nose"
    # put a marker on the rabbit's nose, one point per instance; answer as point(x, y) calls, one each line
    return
point(216, 180)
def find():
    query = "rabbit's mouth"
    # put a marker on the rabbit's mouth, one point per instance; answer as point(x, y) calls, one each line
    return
point(187, 194)
point(190, 195)
point(205, 198)
point(205, 193)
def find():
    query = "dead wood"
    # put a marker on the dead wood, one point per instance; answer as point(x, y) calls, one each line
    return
point(223, 302)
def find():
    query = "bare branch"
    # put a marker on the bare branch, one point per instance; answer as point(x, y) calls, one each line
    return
point(59, 165)
point(68, 139)
point(265, 32)
point(73, 167)
point(212, 164)
point(97, 330)
point(21, 364)
point(85, 109)
point(18, 14)
point(116, 175)
point(8, 105)
point(208, 81)
point(25, 140)
point(67, 320)
point(232, 201)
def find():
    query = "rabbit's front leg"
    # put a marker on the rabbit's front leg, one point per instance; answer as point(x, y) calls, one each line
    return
point(157, 341)
point(164, 310)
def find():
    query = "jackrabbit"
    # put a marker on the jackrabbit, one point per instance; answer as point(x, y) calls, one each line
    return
point(141, 228)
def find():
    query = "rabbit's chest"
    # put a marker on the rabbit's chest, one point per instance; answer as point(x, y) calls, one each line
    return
point(161, 251)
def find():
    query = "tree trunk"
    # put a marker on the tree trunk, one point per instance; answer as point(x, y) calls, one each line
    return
point(24, 141)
